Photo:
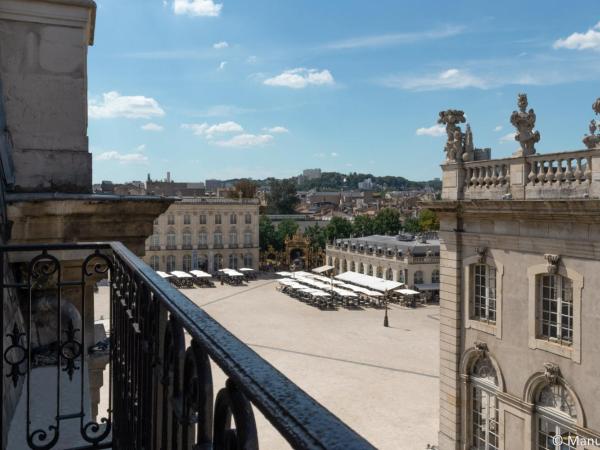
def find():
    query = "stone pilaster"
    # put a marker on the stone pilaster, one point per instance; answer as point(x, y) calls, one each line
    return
point(453, 181)
point(450, 334)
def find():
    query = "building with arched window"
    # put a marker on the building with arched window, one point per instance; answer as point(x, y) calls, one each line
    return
point(519, 265)
point(414, 260)
point(193, 230)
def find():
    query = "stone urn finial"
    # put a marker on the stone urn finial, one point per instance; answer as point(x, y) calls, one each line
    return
point(454, 144)
point(524, 121)
point(592, 140)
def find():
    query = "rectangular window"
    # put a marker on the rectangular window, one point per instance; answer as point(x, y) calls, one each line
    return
point(202, 219)
point(217, 219)
point(484, 293)
point(556, 308)
point(232, 219)
point(248, 219)
point(187, 219)
point(484, 418)
point(547, 432)
point(171, 219)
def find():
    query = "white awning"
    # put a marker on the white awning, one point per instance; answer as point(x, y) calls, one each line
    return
point(200, 274)
point(163, 274)
point(323, 269)
point(246, 269)
point(407, 292)
point(370, 282)
point(180, 274)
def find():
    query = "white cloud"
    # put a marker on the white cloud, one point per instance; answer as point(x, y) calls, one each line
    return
point(152, 127)
point(276, 130)
point(222, 65)
point(509, 137)
point(224, 110)
point(199, 8)
point(220, 45)
point(334, 155)
point(434, 130)
point(140, 148)
point(122, 158)
point(590, 40)
point(498, 128)
point(382, 40)
point(204, 129)
point(251, 59)
point(115, 105)
point(300, 78)
point(246, 140)
point(448, 79)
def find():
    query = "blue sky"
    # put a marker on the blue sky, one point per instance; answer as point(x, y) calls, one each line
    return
point(240, 88)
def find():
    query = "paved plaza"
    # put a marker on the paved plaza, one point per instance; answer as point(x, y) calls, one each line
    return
point(383, 382)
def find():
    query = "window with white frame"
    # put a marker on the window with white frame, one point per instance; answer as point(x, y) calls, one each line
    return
point(187, 239)
point(555, 303)
point(217, 262)
point(202, 219)
point(233, 261)
point(484, 406)
point(202, 238)
point(483, 302)
point(248, 218)
point(170, 219)
point(217, 238)
point(248, 260)
point(155, 262)
point(171, 239)
point(170, 263)
point(435, 276)
point(187, 263)
point(556, 415)
point(155, 240)
point(248, 238)
point(418, 277)
point(233, 238)
point(187, 220)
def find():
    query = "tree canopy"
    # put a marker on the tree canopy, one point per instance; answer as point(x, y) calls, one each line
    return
point(282, 198)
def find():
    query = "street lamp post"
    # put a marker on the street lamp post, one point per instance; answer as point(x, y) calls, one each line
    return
point(386, 322)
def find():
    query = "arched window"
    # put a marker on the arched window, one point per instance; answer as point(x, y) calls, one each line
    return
point(247, 238)
point(217, 239)
point(556, 415)
point(435, 276)
point(155, 242)
point(329, 261)
point(203, 262)
point(187, 263)
point(202, 239)
point(555, 305)
point(418, 277)
point(370, 270)
point(217, 261)
point(248, 219)
point(171, 239)
point(233, 238)
point(379, 272)
point(248, 260)
point(187, 239)
point(352, 266)
point(155, 262)
point(344, 266)
point(390, 274)
point(170, 263)
point(361, 268)
point(336, 264)
point(401, 276)
point(233, 261)
point(484, 405)
point(483, 301)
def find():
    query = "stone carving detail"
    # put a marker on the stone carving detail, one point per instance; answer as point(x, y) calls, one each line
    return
point(592, 140)
point(454, 145)
point(481, 348)
point(553, 261)
point(552, 373)
point(524, 121)
point(482, 253)
point(469, 147)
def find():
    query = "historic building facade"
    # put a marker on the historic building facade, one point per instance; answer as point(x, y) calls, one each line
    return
point(403, 258)
point(205, 233)
point(520, 257)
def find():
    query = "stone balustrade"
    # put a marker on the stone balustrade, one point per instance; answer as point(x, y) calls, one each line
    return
point(573, 174)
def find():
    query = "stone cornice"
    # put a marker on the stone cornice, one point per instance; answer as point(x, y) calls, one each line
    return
point(70, 13)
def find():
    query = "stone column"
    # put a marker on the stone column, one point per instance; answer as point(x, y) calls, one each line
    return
point(450, 334)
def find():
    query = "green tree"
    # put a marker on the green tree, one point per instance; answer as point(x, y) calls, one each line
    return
point(411, 225)
point(316, 236)
point(428, 220)
point(266, 233)
point(387, 221)
point(338, 228)
point(285, 229)
point(243, 189)
point(363, 225)
point(282, 198)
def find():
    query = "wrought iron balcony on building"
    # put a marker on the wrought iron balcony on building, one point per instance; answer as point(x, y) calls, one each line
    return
point(202, 246)
point(217, 245)
point(160, 350)
point(171, 247)
point(155, 248)
point(248, 245)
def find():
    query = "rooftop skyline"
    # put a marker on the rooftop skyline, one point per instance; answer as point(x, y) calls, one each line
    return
point(227, 89)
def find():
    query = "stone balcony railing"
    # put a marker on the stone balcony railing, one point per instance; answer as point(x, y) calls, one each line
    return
point(573, 174)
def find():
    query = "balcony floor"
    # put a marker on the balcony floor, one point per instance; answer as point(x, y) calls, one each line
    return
point(383, 382)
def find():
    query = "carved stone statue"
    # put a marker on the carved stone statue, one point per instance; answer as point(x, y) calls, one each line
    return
point(450, 118)
point(524, 121)
point(592, 140)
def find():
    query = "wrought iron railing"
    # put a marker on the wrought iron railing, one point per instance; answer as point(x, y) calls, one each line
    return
point(160, 348)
